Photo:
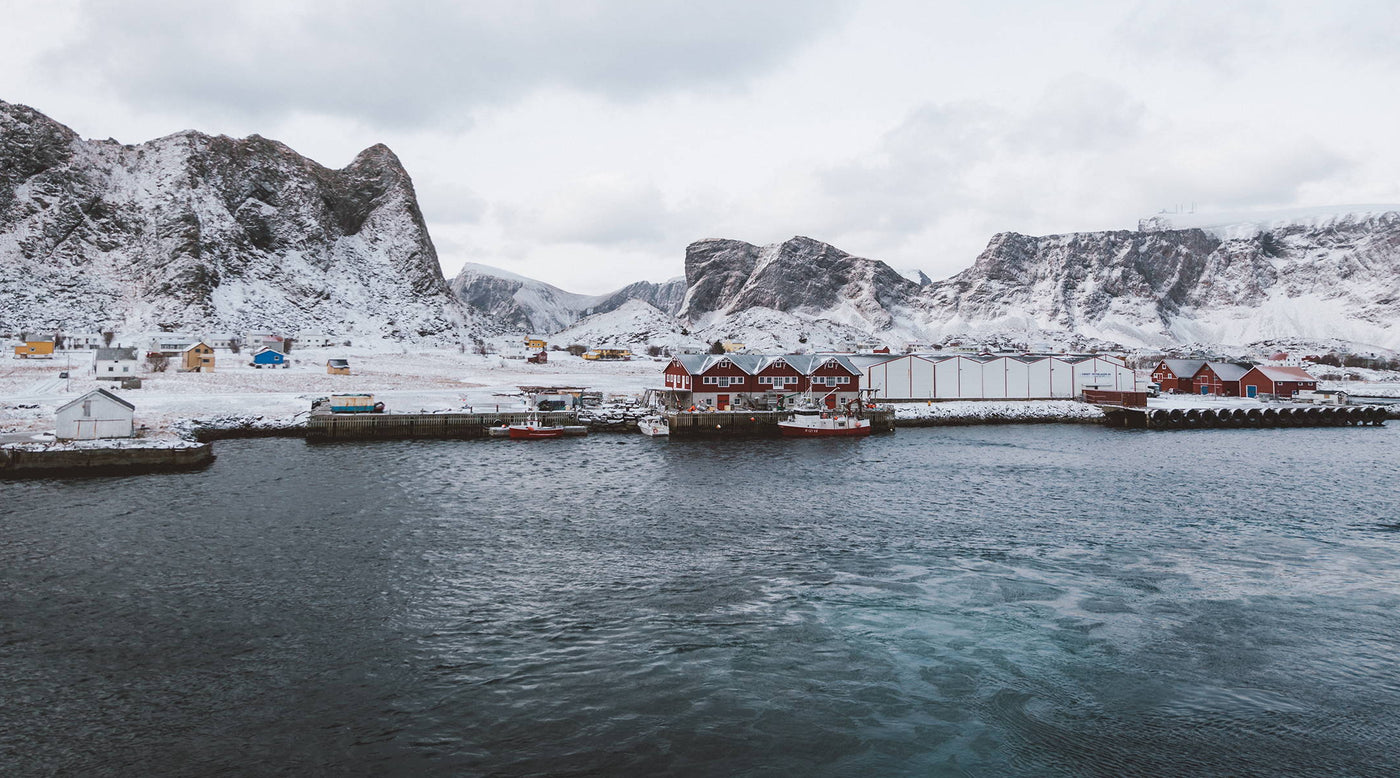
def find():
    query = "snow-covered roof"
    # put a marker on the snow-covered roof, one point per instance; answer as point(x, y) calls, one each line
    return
point(104, 354)
point(1183, 368)
point(196, 344)
point(1228, 371)
point(267, 348)
point(338, 362)
point(1284, 373)
point(102, 392)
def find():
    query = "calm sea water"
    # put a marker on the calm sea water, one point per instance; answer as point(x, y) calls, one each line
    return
point(1035, 600)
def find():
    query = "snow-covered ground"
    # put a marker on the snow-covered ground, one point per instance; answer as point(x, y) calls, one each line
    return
point(1364, 388)
point(405, 380)
point(975, 411)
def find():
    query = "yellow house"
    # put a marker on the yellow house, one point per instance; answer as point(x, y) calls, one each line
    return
point(39, 349)
point(608, 353)
point(338, 366)
point(535, 344)
point(198, 357)
point(730, 346)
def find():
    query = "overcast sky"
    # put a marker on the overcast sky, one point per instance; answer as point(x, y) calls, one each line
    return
point(586, 143)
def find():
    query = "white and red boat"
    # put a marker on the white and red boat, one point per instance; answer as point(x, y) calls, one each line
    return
point(810, 421)
point(534, 429)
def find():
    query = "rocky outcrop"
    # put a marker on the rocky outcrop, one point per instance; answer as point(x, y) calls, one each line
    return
point(800, 276)
point(193, 231)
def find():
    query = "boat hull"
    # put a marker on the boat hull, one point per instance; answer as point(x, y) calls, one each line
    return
point(791, 430)
point(653, 428)
point(535, 433)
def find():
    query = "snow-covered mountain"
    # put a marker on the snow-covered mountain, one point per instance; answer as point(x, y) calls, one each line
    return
point(800, 291)
point(1311, 277)
point(635, 325)
point(514, 303)
point(191, 231)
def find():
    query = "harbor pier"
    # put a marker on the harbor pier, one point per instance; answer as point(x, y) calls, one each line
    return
point(1245, 418)
point(750, 424)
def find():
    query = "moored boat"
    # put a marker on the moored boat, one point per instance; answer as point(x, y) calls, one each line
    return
point(811, 421)
point(653, 426)
point(534, 429)
point(821, 425)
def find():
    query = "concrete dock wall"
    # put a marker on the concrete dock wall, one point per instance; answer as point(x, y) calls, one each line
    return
point(44, 463)
point(370, 426)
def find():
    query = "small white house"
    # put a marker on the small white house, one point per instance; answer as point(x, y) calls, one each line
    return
point(82, 340)
point(97, 414)
point(114, 364)
point(313, 340)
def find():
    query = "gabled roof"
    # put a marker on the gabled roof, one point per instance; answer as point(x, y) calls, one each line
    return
point(197, 344)
point(277, 351)
point(338, 362)
point(1183, 368)
point(1284, 373)
point(103, 392)
point(104, 354)
point(1228, 371)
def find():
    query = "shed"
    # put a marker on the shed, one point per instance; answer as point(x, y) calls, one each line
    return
point(338, 366)
point(269, 356)
point(97, 414)
point(538, 359)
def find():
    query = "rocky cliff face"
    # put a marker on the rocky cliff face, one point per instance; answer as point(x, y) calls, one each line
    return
point(210, 233)
point(801, 276)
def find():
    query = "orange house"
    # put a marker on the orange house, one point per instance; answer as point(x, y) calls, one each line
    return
point(37, 349)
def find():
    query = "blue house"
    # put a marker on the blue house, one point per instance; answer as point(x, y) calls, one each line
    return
point(269, 356)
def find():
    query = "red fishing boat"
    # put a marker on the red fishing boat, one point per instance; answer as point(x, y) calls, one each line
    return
point(534, 429)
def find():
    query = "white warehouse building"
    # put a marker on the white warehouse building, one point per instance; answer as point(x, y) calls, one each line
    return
point(993, 376)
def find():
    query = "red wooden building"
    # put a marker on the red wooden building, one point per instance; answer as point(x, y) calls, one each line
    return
point(1175, 375)
point(726, 380)
point(1280, 382)
point(1218, 378)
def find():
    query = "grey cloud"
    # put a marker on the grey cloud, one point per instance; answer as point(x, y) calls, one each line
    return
point(391, 64)
point(606, 212)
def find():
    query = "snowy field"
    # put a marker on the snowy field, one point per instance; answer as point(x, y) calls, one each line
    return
point(405, 381)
